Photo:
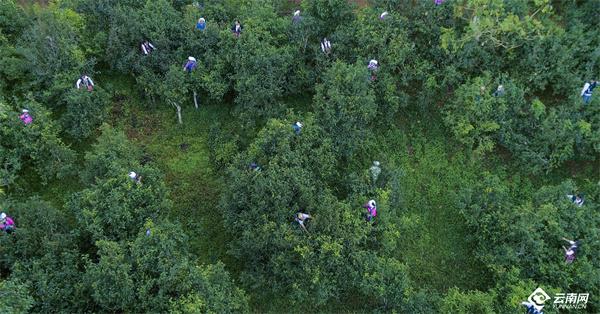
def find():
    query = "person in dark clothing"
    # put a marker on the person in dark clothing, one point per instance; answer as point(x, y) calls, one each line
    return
point(254, 166)
point(296, 19)
point(577, 199)
point(237, 28)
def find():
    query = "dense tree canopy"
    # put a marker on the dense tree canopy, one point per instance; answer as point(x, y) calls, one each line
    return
point(242, 183)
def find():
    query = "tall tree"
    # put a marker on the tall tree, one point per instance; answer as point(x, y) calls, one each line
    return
point(345, 106)
point(35, 146)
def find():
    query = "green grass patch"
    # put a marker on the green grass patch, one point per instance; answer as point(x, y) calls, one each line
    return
point(181, 151)
point(434, 243)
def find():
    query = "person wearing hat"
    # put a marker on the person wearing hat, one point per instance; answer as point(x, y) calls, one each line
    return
point(147, 47)
point(85, 81)
point(586, 92)
point(576, 199)
point(499, 91)
point(190, 65)
point(326, 46)
point(26, 117)
point(571, 252)
point(297, 127)
point(373, 67)
point(237, 28)
point(7, 224)
point(300, 217)
point(383, 15)
point(371, 207)
point(296, 18)
point(201, 25)
point(135, 177)
point(375, 170)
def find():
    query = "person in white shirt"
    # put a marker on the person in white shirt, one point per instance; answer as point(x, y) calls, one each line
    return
point(325, 46)
point(375, 171)
point(576, 199)
point(300, 218)
point(499, 91)
point(135, 177)
point(147, 47)
point(85, 81)
point(586, 92)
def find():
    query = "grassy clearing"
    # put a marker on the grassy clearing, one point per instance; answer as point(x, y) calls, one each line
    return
point(195, 187)
point(434, 242)
point(437, 248)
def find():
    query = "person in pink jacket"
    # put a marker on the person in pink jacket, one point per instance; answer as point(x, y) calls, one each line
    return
point(371, 207)
point(7, 224)
point(26, 117)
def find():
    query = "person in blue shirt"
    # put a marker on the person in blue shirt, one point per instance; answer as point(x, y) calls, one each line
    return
point(190, 65)
point(297, 127)
point(201, 25)
point(531, 308)
point(254, 166)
